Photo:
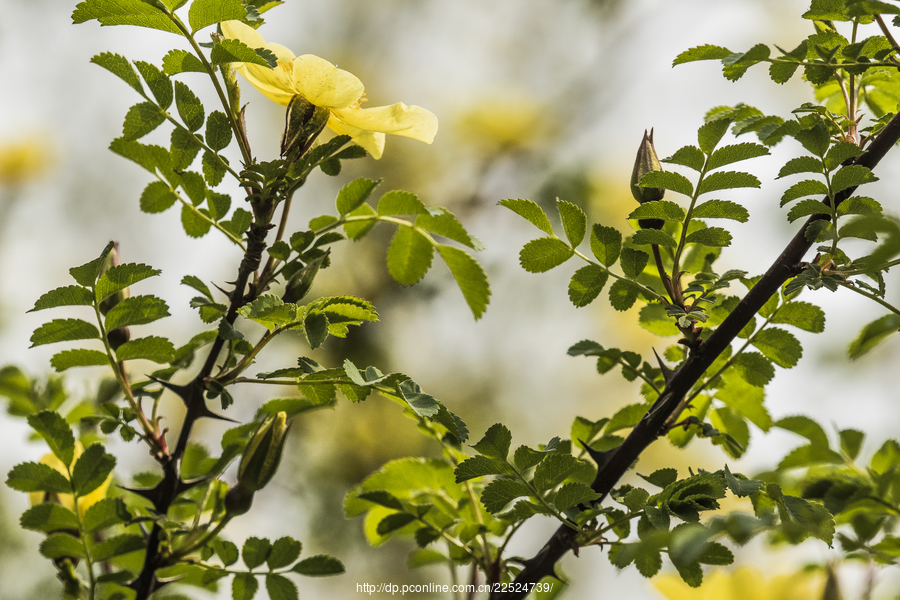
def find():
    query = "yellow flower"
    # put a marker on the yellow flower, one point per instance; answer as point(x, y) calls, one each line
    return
point(744, 583)
point(23, 160)
point(66, 500)
point(326, 86)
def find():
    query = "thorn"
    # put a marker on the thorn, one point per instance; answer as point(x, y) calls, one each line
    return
point(205, 412)
point(667, 373)
point(182, 391)
point(601, 457)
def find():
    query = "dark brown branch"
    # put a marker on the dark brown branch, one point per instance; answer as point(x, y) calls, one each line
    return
point(650, 428)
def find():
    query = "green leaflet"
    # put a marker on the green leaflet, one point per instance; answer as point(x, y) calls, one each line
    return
point(193, 222)
point(737, 64)
point(64, 330)
point(124, 12)
point(56, 432)
point(735, 153)
point(136, 310)
point(105, 513)
point(710, 133)
point(87, 273)
point(255, 551)
point(285, 551)
point(873, 334)
point(181, 61)
point(470, 277)
point(409, 255)
point(623, 294)
point(726, 180)
point(479, 466)
point(48, 518)
point(544, 254)
point(688, 156)
point(398, 202)
point(117, 546)
point(280, 587)
point(653, 236)
point(633, 262)
point(572, 494)
point(754, 368)
point(721, 209)
point(529, 211)
point(354, 194)
point(157, 197)
point(802, 315)
point(91, 469)
point(319, 566)
point(80, 357)
point(218, 130)
point(586, 284)
point(606, 243)
point(660, 209)
point(715, 237)
point(61, 545)
point(495, 443)
point(153, 348)
point(851, 176)
point(802, 164)
point(442, 222)
point(120, 277)
point(807, 187)
point(120, 67)
point(704, 52)
point(244, 586)
point(189, 107)
point(745, 399)
point(574, 221)
point(204, 13)
point(159, 83)
point(779, 346)
point(807, 207)
point(500, 492)
point(668, 180)
point(70, 295)
point(231, 51)
point(37, 477)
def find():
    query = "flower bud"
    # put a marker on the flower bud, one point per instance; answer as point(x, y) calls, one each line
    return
point(645, 162)
point(263, 453)
point(302, 280)
point(303, 123)
point(231, 87)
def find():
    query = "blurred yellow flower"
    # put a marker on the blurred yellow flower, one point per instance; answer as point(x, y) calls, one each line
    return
point(326, 86)
point(84, 502)
point(743, 583)
point(505, 122)
point(23, 160)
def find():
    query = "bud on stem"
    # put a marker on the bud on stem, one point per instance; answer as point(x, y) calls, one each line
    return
point(303, 123)
point(646, 162)
point(258, 464)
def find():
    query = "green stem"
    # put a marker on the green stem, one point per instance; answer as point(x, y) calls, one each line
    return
point(200, 141)
point(676, 261)
point(644, 289)
point(199, 213)
point(883, 267)
point(887, 33)
point(870, 296)
point(202, 541)
point(88, 563)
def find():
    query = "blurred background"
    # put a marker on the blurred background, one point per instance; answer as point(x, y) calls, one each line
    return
point(539, 100)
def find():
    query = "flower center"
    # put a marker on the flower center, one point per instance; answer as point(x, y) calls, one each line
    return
point(360, 101)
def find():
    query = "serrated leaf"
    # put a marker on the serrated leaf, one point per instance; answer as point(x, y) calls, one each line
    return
point(659, 209)
point(189, 107)
point(710, 133)
point(859, 205)
point(754, 368)
point(470, 277)
point(716, 554)
point(136, 310)
point(737, 64)
point(357, 229)
point(218, 130)
point(779, 346)
point(87, 273)
point(726, 180)
point(244, 586)
point(232, 50)
point(393, 522)
point(873, 334)
point(851, 442)
point(668, 180)
point(735, 153)
point(51, 426)
point(61, 545)
point(382, 498)
point(409, 256)
point(661, 477)
point(479, 466)
point(255, 551)
point(105, 513)
point(807, 207)
point(157, 197)
point(572, 494)
point(500, 492)
point(840, 152)
point(574, 221)
point(157, 349)
point(606, 244)
point(354, 194)
point(193, 222)
point(745, 399)
point(91, 469)
point(120, 67)
point(529, 211)
point(714, 237)
point(281, 588)
point(721, 209)
point(783, 71)
point(817, 138)
point(117, 546)
point(181, 61)
point(124, 12)
point(586, 284)
point(285, 550)
point(64, 330)
point(80, 357)
point(37, 477)
point(704, 52)
point(633, 262)
point(159, 83)
point(495, 443)
point(623, 294)
point(807, 187)
point(851, 176)
point(802, 164)
point(398, 202)
point(653, 236)
point(741, 487)
point(69, 295)
point(204, 13)
point(319, 566)
point(48, 517)
point(688, 156)
point(554, 469)
point(654, 319)
point(803, 315)
point(120, 277)
point(140, 120)
point(443, 222)
point(543, 254)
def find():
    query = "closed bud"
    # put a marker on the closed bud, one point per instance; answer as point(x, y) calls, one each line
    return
point(231, 88)
point(302, 280)
point(303, 123)
point(263, 453)
point(645, 162)
point(112, 260)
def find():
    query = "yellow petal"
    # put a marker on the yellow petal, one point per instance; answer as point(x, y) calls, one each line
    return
point(398, 119)
point(372, 141)
point(323, 84)
point(235, 30)
point(275, 84)
point(66, 500)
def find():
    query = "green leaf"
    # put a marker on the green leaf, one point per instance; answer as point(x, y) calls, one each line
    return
point(807, 207)
point(873, 334)
point(668, 180)
point(157, 197)
point(64, 330)
point(851, 442)
point(661, 477)
point(688, 156)
point(319, 566)
point(817, 138)
point(105, 513)
point(782, 72)
point(726, 180)
point(716, 554)
point(500, 492)
point(710, 134)
point(840, 152)
point(120, 277)
point(189, 107)
point(409, 256)
point(807, 187)
point(606, 243)
point(69, 295)
point(204, 13)
point(525, 457)
point(37, 477)
point(574, 221)
point(182, 61)
point(354, 194)
point(255, 552)
point(654, 319)
point(153, 348)
point(140, 120)
point(802, 164)
point(117, 546)
point(623, 294)
point(136, 310)
point(653, 236)
point(285, 551)
point(735, 153)
point(158, 82)
point(529, 211)
point(398, 202)
point(721, 209)
point(543, 254)
point(479, 466)
point(737, 64)
point(356, 230)
point(859, 205)
point(659, 209)
point(754, 368)
point(803, 315)
point(443, 222)
point(281, 588)
point(495, 443)
point(120, 67)
point(586, 284)
point(51, 426)
point(218, 130)
point(633, 262)
point(626, 417)
point(91, 469)
point(555, 469)
point(244, 586)
point(382, 498)
point(80, 357)
point(88, 273)
point(741, 487)
point(422, 404)
point(745, 399)
point(231, 51)
point(851, 176)
point(572, 494)
point(48, 517)
point(714, 237)
point(704, 52)
point(779, 346)
point(470, 277)
point(648, 562)
point(124, 12)
point(61, 545)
